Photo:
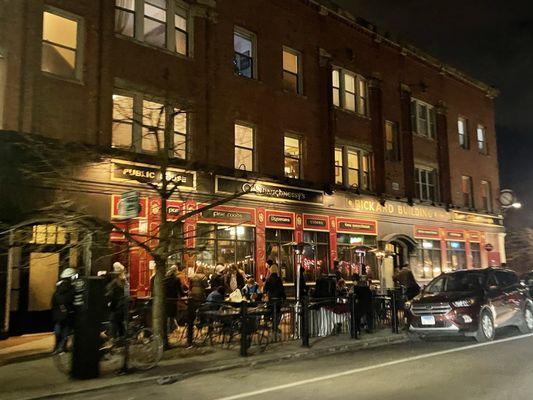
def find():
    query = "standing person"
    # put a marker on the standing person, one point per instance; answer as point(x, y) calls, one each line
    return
point(173, 293)
point(217, 279)
point(336, 270)
point(117, 298)
point(275, 291)
point(63, 308)
point(406, 279)
point(233, 279)
point(362, 292)
point(198, 283)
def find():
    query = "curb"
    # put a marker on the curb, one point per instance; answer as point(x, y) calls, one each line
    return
point(297, 355)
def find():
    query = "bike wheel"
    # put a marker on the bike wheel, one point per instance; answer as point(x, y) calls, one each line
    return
point(63, 359)
point(145, 349)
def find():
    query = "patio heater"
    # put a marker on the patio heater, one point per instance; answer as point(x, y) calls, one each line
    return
point(298, 249)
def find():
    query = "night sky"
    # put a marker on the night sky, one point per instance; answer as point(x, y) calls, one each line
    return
point(490, 40)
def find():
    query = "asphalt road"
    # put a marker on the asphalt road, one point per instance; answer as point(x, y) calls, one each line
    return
point(441, 369)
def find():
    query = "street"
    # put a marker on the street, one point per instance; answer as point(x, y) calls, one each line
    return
point(438, 369)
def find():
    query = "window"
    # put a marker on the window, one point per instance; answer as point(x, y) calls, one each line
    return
point(350, 91)
point(160, 23)
point(61, 45)
point(423, 119)
point(139, 125)
point(351, 253)
point(481, 140)
point(462, 129)
point(392, 141)
point(315, 256)
point(467, 190)
point(277, 251)
point(486, 196)
point(426, 184)
point(456, 256)
point(292, 80)
point(244, 147)
point(293, 157)
point(352, 167)
point(429, 259)
point(244, 57)
point(476, 255)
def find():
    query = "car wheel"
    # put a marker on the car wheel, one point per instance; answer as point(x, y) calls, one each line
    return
point(527, 320)
point(486, 329)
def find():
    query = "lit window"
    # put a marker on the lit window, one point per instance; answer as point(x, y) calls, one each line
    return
point(481, 139)
point(291, 70)
point(139, 126)
point(486, 196)
point(161, 23)
point(48, 234)
point(423, 119)
point(60, 45)
point(352, 168)
point(392, 141)
point(466, 188)
point(349, 91)
point(293, 157)
point(244, 47)
point(244, 147)
point(462, 130)
point(426, 184)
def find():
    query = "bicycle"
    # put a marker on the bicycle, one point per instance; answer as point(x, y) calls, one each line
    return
point(145, 349)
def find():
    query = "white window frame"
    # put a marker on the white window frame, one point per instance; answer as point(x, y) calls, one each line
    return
point(253, 128)
point(80, 42)
point(252, 37)
point(173, 8)
point(487, 204)
point(464, 136)
point(470, 192)
point(137, 124)
point(482, 144)
point(422, 189)
point(299, 74)
point(361, 106)
point(361, 172)
point(430, 119)
point(300, 155)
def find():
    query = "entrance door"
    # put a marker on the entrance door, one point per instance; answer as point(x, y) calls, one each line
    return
point(399, 253)
point(44, 270)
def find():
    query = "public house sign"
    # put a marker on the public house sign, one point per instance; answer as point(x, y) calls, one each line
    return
point(269, 190)
point(143, 173)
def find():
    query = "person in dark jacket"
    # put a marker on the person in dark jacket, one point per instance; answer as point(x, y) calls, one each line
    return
point(406, 279)
point(216, 298)
point(364, 307)
point(116, 294)
point(336, 270)
point(275, 291)
point(173, 292)
point(63, 308)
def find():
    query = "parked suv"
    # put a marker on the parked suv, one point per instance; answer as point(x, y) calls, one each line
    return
point(471, 303)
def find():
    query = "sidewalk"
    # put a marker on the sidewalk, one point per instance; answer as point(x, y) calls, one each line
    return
point(39, 377)
point(26, 347)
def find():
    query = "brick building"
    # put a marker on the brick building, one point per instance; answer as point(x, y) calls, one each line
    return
point(351, 141)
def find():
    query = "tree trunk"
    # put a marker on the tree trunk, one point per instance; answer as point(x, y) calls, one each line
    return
point(159, 319)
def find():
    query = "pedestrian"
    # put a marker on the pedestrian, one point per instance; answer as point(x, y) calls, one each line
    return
point(406, 280)
point(364, 307)
point(173, 292)
point(117, 300)
point(63, 308)
point(275, 292)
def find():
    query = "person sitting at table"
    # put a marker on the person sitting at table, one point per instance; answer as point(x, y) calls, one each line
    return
point(251, 290)
point(216, 298)
point(234, 279)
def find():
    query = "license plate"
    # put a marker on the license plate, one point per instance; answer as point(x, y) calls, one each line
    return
point(427, 320)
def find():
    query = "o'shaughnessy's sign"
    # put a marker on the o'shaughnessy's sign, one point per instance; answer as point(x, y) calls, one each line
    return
point(143, 173)
point(269, 190)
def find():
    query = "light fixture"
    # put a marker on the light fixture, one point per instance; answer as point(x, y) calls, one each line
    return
point(516, 205)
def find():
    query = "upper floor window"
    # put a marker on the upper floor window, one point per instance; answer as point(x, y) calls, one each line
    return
point(462, 130)
point(244, 57)
point(244, 147)
point(293, 156)
point(61, 44)
point(426, 184)
point(392, 141)
point(161, 23)
point(350, 91)
point(481, 139)
point(423, 119)
point(486, 196)
point(139, 125)
point(468, 192)
point(292, 75)
point(352, 167)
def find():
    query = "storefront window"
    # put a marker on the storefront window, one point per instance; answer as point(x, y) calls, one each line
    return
point(476, 255)
point(429, 260)
point(456, 256)
point(352, 253)
point(280, 254)
point(226, 245)
point(316, 255)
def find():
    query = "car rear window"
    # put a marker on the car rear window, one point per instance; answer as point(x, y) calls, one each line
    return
point(506, 278)
point(457, 282)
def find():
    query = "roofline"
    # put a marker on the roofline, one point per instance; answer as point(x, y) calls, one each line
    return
point(326, 7)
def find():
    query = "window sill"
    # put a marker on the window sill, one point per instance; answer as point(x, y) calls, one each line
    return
point(150, 46)
point(252, 79)
point(423, 137)
point(350, 112)
point(75, 81)
point(291, 93)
